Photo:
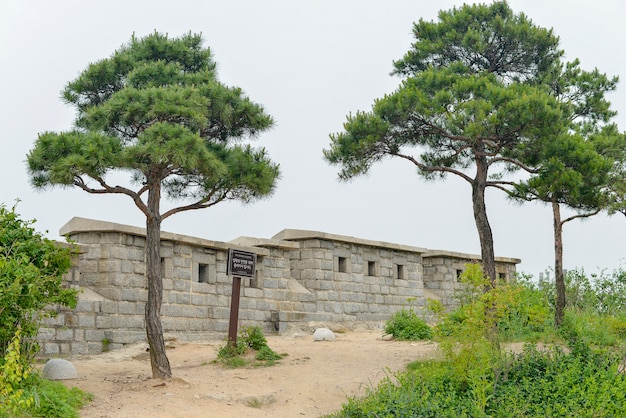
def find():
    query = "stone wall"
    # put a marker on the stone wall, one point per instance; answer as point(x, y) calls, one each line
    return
point(303, 278)
point(444, 268)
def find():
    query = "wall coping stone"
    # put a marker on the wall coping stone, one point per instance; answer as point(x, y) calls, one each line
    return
point(77, 225)
point(453, 254)
point(300, 235)
point(266, 242)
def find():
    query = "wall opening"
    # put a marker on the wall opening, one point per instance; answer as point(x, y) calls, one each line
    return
point(400, 272)
point(162, 267)
point(342, 265)
point(458, 274)
point(371, 268)
point(203, 273)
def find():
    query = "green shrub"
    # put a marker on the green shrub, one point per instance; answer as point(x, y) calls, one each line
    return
point(584, 383)
point(55, 400)
point(534, 383)
point(31, 270)
point(267, 354)
point(253, 337)
point(13, 373)
point(249, 339)
point(405, 324)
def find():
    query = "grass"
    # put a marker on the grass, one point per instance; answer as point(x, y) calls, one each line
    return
point(251, 350)
point(580, 373)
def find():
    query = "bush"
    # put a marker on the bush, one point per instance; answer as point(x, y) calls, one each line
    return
point(405, 324)
point(535, 383)
point(13, 374)
point(477, 379)
point(31, 270)
point(249, 339)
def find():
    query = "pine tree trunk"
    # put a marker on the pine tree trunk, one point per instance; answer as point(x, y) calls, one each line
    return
point(158, 358)
point(559, 277)
point(486, 243)
point(482, 222)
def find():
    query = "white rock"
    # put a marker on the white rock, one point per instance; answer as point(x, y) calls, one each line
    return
point(59, 369)
point(323, 334)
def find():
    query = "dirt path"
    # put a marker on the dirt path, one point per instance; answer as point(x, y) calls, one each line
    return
point(314, 379)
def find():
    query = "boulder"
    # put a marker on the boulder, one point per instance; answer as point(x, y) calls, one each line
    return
point(59, 369)
point(323, 334)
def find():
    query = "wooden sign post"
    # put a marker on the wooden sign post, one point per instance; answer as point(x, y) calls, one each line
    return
point(240, 263)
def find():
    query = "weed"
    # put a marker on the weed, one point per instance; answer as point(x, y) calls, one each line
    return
point(251, 340)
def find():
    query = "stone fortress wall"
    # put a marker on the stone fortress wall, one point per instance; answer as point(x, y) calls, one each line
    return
point(302, 278)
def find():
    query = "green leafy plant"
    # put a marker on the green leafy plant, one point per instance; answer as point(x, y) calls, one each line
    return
point(13, 373)
point(31, 270)
point(105, 344)
point(54, 399)
point(580, 374)
point(250, 350)
point(405, 324)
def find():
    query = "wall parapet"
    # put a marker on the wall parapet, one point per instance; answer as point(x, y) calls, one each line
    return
point(302, 278)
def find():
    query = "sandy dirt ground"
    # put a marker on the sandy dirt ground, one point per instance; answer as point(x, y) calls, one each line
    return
point(314, 379)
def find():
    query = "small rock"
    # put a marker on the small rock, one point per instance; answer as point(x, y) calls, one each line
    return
point(59, 369)
point(323, 334)
point(387, 337)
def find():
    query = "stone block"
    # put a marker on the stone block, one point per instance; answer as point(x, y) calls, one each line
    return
point(142, 295)
point(311, 243)
point(126, 308)
point(198, 300)
point(112, 293)
point(183, 298)
point(108, 307)
point(93, 279)
point(64, 335)
point(140, 309)
point(79, 347)
point(175, 324)
point(121, 322)
point(166, 249)
point(311, 264)
point(109, 266)
point(130, 295)
point(198, 325)
point(251, 292)
point(270, 284)
point(119, 280)
point(325, 285)
point(277, 273)
point(119, 253)
point(87, 321)
point(182, 285)
point(184, 262)
point(137, 254)
point(103, 322)
point(51, 349)
point(125, 336)
point(182, 249)
point(127, 266)
point(45, 334)
point(95, 347)
point(55, 321)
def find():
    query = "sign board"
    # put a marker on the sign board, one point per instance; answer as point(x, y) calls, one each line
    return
point(241, 263)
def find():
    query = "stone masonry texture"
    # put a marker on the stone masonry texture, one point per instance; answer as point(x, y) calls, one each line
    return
point(302, 279)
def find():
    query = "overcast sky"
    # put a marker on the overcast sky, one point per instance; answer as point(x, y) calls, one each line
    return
point(310, 63)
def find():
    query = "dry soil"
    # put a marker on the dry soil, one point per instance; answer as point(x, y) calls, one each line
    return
point(314, 379)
